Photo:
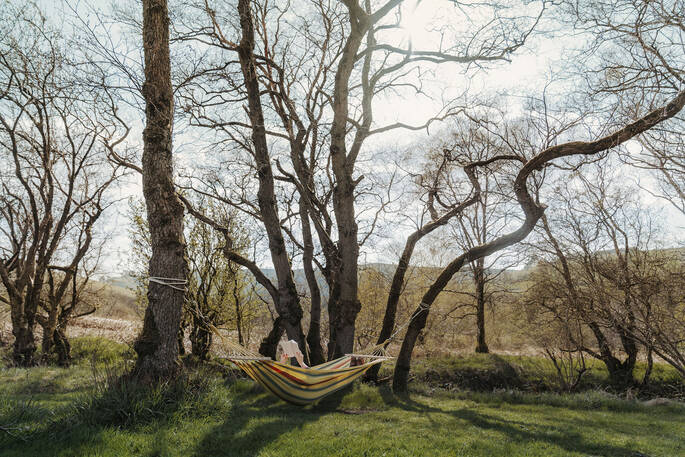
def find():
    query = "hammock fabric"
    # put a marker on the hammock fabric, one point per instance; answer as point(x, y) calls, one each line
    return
point(302, 386)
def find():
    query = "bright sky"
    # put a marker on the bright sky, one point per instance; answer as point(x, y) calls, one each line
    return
point(528, 71)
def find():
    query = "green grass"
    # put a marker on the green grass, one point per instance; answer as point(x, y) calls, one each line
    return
point(487, 372)
point(81, 412)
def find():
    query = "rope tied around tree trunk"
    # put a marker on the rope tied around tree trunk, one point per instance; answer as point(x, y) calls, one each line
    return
point(174, 283)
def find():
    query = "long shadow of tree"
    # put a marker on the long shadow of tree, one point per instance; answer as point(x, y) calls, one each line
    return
point(254, 419)
point(518, 431)
point(257, 421)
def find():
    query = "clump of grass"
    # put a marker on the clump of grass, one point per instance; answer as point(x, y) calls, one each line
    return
point(121, 401)
point(92, 349)
point(20, 418)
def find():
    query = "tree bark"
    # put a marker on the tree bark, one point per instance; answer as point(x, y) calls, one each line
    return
point(269, 344)
point(62, 348)
point(314, 332)
point(200, 340)
point(479, 279)
point(345, 306)
point(157, 345)
point(288, 303)
point(24, 347)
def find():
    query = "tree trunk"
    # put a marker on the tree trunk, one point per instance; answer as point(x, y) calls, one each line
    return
point(314, 333)
point(238, 310)
point(181, 338)
point(270, 342)
point(200, 341)
point(62, 347)
point(157, 345)
point(479, 278)
point(650, 366)
point(288, 303)
point(620, 373)
point(24, 345)
point(393, 299)
point(344, 309)
point(403, 266)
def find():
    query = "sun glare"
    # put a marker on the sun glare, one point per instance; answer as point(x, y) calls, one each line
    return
point(416, 19)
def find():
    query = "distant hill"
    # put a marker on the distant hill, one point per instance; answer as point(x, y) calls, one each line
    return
point(121, 288)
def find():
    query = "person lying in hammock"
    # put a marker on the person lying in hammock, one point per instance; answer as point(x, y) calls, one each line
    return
point(291, 349)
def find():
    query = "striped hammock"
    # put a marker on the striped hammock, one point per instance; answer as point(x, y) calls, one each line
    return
point(301, 386)
point(297, 385)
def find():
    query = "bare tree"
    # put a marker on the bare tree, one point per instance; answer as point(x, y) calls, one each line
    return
point(321, 99)
point(70, 293)
point(448, 196)
point(635, 56)
point(481, 222)
point(532, 210)
point(55, 133)
point(157, 345)
point(616, 283)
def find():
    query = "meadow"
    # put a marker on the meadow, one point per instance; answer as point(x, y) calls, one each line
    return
point(212, 410)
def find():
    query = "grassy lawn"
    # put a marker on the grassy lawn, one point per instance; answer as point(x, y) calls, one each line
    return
point(66, 412)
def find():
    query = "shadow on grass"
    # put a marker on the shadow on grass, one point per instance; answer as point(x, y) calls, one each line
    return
point(250, 419)
point(256, 422)
point(558, 435)
point(118, 404)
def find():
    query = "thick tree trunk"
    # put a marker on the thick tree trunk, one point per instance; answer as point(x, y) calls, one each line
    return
point(269, 344)
point(344, 309)
point(157, 345)
point(24, 348)
point(620, 373)
point(49, 325)
point(62, 347)
point(479, 278)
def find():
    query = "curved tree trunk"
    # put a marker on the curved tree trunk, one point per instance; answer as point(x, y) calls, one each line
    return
point(288, 303)
point(157, 345)
point(532, 210)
